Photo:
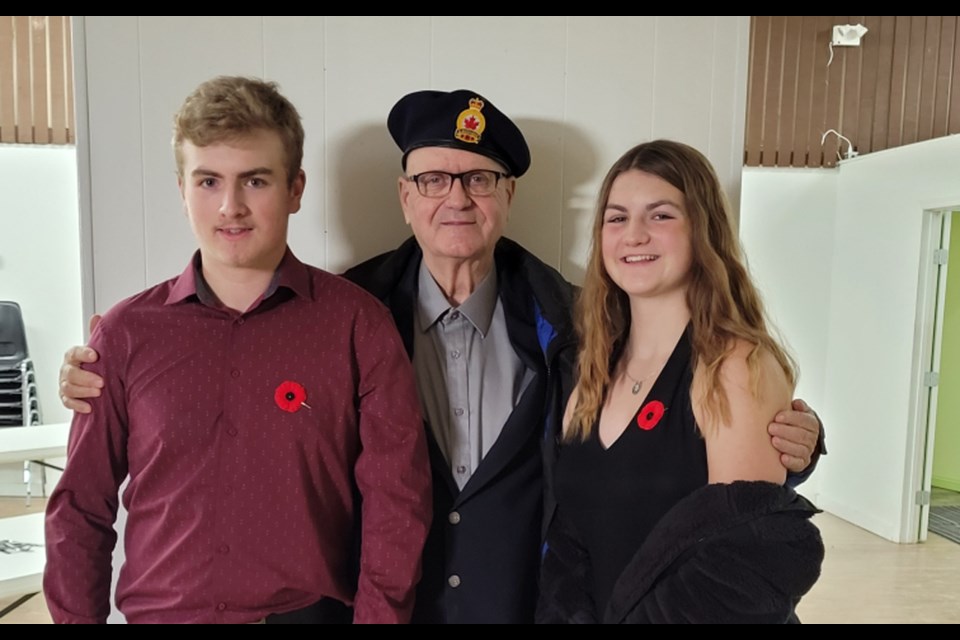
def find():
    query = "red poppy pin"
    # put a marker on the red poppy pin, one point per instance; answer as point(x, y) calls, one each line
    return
point(290, 396)
point(650, 415)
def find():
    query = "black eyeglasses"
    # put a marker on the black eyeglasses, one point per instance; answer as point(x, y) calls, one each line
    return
point(436, 184)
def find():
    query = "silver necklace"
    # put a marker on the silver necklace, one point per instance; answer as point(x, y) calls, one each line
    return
point(638, 384)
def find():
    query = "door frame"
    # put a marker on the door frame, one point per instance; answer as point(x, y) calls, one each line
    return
point(928, 338)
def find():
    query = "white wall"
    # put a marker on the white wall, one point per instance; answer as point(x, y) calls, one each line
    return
point(873, 315)
point(584, 89)
point(40, 265)
point(786, 227)
point(847, 298)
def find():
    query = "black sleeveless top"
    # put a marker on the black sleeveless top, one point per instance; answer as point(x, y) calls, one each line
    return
point(613, 497)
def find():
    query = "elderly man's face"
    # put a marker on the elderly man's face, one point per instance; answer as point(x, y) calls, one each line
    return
point(458, 225)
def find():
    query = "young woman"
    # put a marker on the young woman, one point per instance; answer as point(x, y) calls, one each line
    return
point(671, 504)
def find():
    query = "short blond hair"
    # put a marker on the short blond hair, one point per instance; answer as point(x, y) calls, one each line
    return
point(230, 107)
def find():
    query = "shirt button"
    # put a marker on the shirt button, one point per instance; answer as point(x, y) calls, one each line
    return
point(235, 373)
point(461, 469)
point(455, 354)
point(240, 321)
point(223, 549)
point(232, 431)
point(221, 606)
point(454, 517)
point(455, 315)
point(458, 411)
point(228, 491)
point(454, 581)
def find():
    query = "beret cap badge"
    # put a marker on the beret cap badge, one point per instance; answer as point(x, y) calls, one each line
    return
point(471, 123)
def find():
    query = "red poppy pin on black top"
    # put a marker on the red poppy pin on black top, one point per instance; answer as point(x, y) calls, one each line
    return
point(650, 415)
point(290, 396)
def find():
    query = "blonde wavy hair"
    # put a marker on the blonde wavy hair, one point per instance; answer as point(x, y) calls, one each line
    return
point(724, 304)
point(229, 107)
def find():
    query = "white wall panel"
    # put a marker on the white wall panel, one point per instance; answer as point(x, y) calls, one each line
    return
point(583, 89)
point(873, 315)
point(370, 64)
point(728, 103)
point(116, 180)
point(294, 57)
point(176, 54)
point(518, 63)
point(609, 109)
point(786, 227)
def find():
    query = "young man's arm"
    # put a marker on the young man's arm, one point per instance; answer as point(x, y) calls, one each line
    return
point(393, 475)
point(81, 511)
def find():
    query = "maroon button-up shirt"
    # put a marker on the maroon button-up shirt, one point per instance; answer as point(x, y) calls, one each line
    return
point(243, 500)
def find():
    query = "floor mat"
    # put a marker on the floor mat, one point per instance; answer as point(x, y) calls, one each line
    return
point(945, 521)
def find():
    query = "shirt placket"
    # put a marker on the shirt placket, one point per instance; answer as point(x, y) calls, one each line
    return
point(458, 384)
point(225, 482)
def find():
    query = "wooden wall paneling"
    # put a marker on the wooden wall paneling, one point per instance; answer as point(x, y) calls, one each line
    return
point(57, 71)
point(849, 108)
point(818, 97)
point(832, 90)
point(8, 121)
point(68, 70)
point(870, 62)
point(756, 89)
point(953, 122)
point(928, 78)
point(21, 28)
point(38, 64)
point(881, 118)
point(774, 80)
point(806, 75)
point(898, 81)
point(945, 64)
point(786, 145)
point(911, 80)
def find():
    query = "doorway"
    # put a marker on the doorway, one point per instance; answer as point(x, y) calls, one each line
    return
point(938, 497)
point(944, 516)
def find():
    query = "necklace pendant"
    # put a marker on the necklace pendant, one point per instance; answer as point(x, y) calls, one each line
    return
point(636, 388)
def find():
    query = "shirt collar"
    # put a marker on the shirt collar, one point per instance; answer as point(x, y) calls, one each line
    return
point(432, 303)
point(290, 274)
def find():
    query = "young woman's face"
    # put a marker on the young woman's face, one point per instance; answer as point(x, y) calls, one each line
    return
point(645, 238)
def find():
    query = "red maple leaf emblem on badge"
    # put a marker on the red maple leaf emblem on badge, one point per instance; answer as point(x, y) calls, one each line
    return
point(471, 122)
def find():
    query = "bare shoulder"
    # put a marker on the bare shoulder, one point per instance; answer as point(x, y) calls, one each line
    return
point(756, 388)
point(754, 369)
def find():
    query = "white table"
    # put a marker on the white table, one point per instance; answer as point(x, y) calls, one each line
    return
point(33, 443)
point(22, 572)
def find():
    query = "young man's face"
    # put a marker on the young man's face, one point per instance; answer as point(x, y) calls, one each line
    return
point(239, 200)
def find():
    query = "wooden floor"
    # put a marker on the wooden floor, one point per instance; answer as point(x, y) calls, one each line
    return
point(866, 579)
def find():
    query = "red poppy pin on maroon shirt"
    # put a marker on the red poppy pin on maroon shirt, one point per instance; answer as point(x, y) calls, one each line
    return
point(290, 396)
point(650, 415)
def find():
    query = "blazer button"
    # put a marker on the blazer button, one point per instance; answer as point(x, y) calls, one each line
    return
point(454, 581)
point(453, 518)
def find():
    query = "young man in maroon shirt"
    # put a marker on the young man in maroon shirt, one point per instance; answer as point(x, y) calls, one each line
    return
point(255, 403)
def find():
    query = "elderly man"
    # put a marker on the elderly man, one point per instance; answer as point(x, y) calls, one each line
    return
point(489, 329)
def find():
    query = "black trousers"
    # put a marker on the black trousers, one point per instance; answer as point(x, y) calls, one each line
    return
point(324, 611)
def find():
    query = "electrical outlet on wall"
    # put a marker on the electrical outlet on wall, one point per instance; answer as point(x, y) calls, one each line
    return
point(847, 35)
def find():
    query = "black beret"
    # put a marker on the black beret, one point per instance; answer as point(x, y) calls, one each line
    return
point(458, 119)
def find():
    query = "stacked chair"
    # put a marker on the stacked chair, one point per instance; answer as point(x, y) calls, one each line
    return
point(19, 406)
